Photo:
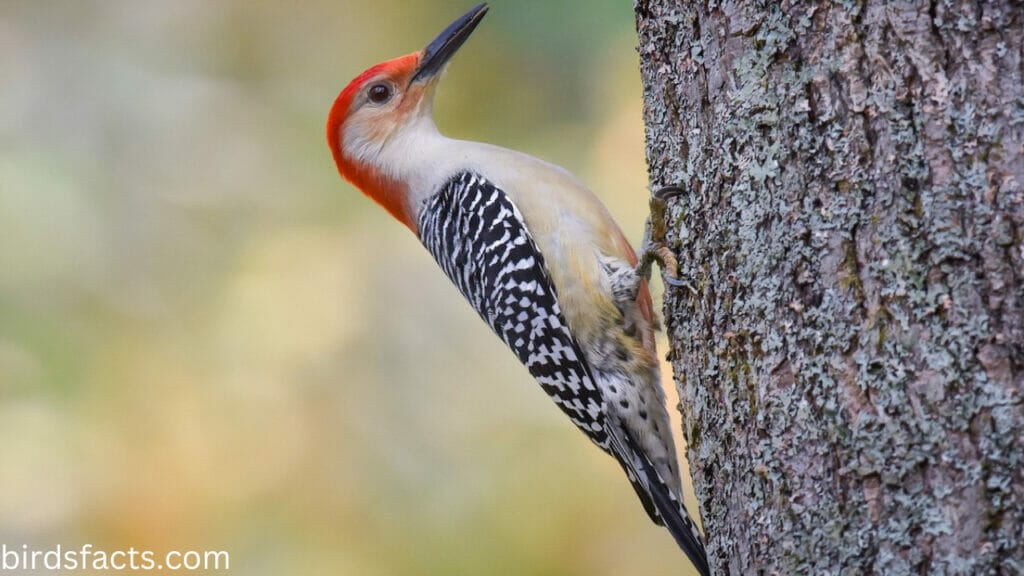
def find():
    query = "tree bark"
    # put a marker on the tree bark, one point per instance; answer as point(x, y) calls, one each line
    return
point(850, 349)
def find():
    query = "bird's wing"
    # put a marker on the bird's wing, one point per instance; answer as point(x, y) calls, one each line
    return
point(478, 237)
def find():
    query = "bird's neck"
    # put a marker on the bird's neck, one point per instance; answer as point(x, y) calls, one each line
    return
point(389, 168)
point(382, 189)
point(409, 167)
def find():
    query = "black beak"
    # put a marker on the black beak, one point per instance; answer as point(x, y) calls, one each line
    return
point(438, 52)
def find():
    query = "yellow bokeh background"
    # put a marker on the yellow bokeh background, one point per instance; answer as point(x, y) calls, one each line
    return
point(209, 341)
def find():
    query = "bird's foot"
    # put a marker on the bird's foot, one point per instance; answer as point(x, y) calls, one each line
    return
point(651, 253)
point(654, 248)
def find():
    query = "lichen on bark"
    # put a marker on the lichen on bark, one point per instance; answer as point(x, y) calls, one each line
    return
point(850, 351)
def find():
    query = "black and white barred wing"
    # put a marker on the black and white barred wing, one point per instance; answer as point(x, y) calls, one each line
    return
point(478, 237)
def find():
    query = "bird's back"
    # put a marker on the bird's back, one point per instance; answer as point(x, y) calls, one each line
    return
point(582, 246)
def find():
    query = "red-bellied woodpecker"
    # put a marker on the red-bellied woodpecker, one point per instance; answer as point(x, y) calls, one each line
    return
point(535, 253)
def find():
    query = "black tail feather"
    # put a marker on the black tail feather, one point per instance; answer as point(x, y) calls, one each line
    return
point(681, 527)
point(664, 507)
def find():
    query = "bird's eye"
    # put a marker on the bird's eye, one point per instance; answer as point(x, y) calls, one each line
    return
point(380, 93)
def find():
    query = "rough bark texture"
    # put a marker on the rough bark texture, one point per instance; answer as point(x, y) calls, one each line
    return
point(850, 355)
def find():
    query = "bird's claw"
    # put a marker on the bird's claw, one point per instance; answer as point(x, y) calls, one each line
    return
point(675, 282)
point(665, 193)
point(669, 265)
point(667, 259)
point(657, 229)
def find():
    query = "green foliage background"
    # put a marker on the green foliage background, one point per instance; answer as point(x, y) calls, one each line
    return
point(210, 341)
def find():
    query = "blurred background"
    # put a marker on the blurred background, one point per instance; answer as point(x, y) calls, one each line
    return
point(208, 340)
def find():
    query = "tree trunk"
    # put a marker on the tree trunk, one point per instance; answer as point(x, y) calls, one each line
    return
point(850, 350)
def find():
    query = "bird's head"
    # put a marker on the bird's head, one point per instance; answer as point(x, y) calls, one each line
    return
point(382, 104)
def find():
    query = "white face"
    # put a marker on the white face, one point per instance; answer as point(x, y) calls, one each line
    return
point(383, 136)
point(390, 130)
point(373, 118)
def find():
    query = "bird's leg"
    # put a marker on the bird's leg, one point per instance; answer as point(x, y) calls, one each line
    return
point(653, 248)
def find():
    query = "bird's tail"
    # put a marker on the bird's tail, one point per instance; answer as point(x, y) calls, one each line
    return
point(663, 506)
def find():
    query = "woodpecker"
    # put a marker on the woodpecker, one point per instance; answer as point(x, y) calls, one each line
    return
point(535, 253)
